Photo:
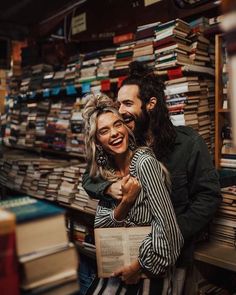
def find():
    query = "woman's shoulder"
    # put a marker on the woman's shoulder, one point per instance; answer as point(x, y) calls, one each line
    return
point(142, 154)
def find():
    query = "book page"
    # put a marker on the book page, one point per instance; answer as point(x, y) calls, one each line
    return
point(116, 247)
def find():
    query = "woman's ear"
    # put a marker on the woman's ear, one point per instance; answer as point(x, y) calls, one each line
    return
point(151, 104)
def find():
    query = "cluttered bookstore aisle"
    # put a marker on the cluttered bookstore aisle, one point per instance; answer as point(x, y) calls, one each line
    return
point(54, 52)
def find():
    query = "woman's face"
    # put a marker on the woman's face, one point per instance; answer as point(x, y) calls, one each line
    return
point(112, 134)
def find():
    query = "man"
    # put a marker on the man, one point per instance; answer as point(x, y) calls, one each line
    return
point(195, 185)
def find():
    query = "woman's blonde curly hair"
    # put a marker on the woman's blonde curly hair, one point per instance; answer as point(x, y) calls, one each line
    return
point(95, 106)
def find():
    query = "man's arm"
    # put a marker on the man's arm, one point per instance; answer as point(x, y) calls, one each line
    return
point(204, 191)
point(96, 188)
point(102, 189)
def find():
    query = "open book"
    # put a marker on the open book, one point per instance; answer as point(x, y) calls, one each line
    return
point(116, 247)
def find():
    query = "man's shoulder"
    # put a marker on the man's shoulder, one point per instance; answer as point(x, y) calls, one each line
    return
point(185, 133)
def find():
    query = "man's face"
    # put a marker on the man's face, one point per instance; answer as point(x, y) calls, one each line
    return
point(130, 105)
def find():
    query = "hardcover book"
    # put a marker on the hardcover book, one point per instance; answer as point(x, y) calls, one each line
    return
point(9, 283)
point(40, 225)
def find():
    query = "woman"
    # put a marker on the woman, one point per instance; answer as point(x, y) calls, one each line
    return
point(111, 154)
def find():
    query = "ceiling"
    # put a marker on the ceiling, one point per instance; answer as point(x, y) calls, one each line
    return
point(41, 18)
point(17, 18)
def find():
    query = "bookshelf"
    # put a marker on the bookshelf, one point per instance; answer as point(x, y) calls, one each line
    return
point(222, 103)
point(217, 255)
point(219, 116)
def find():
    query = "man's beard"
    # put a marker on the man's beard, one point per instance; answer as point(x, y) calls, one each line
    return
point(141, 127)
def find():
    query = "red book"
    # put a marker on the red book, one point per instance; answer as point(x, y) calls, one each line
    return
point(175, 73)
point(105, 85)
point(123, 38)
point(9, 283)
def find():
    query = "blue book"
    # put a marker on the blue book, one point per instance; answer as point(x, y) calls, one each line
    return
point(27, 208)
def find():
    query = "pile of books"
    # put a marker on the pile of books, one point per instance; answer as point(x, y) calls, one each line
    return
point(223, 229)
point(171, 44)
point(43, 124)
point(228, 149)
point(47, 261)
point(46, 178)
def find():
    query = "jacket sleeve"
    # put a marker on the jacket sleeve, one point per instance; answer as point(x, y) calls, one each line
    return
point(204, 190)
point(162, 246)
point(95, 188)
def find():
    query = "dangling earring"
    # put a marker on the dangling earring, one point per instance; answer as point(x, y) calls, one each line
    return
point(132, 145)
point(101, 157)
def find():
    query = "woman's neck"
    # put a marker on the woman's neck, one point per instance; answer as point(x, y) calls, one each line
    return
point(122, 163)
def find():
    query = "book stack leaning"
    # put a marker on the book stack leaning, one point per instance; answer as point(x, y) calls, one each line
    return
point(47, 261)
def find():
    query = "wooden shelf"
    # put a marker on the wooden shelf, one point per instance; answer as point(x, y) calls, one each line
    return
point(217, 254)
point(44, 151)
point(224, 110)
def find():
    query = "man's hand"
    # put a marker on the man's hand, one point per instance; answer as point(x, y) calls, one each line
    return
point(129, 274)
point(114, 190)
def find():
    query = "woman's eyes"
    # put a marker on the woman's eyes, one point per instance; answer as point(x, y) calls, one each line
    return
point(104, 131)
point(118, 124)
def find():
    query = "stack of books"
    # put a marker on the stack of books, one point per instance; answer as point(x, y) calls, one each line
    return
point(57, 80)
point(43, 108)
point(46, 178)
point(88, 71)
point(199, 49)
point(223, 229)
point(124, 54)
point(31, 174)
point(75, 136)
point(84, 237)
point(47, 79)
point(37, 76)
point(107, 60)
point(228, 154)
point(71, 72)
point(67, 189)
point(143, 49)
point(31, 124)
point(183, 100)
point(58, 122)
point(47, 261)
point(171, 44)
point(204, 287)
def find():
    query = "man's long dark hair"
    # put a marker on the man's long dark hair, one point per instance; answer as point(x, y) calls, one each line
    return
point(160, 124)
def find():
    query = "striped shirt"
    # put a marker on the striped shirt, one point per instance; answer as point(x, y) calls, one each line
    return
point(153, 206)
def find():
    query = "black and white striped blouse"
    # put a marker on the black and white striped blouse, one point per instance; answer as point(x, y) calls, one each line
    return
point(152, 207)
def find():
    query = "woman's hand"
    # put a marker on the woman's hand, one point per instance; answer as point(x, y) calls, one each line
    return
point(129, 274)
point(130, 189)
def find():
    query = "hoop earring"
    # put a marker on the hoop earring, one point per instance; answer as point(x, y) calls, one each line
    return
point(101, 157)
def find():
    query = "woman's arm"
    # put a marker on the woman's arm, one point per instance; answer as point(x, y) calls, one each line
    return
point(162, 246)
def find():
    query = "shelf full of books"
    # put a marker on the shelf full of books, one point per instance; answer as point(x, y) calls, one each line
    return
point(225, 153)
point(46, 178)
point(44, 106)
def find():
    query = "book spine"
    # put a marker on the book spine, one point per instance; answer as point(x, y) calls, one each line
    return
point(123, 38)
point(9, 282)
